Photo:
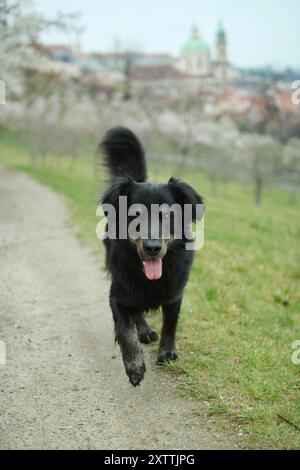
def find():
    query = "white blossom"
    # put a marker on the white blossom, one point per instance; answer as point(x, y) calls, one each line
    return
point(20, 27)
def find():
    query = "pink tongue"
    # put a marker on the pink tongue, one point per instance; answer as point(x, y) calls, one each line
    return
point(153, 269)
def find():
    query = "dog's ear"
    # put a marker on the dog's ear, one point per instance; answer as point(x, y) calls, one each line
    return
point(185, 194)
point(119, 188)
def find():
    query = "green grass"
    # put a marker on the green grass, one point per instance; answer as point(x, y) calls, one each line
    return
point(241, 309)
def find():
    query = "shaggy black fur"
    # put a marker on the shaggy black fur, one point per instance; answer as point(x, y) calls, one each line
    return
point(124, 155)
point(131, 293)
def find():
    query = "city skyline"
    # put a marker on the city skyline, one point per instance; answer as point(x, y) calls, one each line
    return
point(271, 38)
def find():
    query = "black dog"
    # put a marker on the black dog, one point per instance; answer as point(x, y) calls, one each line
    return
point(146, 273)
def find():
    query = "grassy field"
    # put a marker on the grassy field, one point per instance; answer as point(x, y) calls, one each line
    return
point(241, 311)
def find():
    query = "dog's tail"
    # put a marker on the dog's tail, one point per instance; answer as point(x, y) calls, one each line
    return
point(124, 155)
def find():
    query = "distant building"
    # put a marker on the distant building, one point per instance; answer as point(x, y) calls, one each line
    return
point(221, 65)
point(61, 53)
point(221, 45)
point(195, 56)
point(195, 70)
point(234, 103)
point(56, 60)
point(192, 72)
point(162, 81)
point(284, 103)
point(224, 72)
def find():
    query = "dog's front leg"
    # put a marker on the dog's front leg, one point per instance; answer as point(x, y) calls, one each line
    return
point(126, 336)
point(167, 347)
point(145, 333)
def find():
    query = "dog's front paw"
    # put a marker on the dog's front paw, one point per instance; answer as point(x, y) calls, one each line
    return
point(148, 336)
point(135, 373)
point(168, 356)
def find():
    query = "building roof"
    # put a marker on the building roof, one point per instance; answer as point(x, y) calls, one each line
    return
point(284, 102)
point(162, 55)
point(157, 72)
point(195, 43)
point(55, 47)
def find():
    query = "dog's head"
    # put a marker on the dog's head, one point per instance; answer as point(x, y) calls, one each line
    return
point(152, 217)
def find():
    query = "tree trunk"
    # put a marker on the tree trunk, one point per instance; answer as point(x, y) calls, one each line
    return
point(258, 191)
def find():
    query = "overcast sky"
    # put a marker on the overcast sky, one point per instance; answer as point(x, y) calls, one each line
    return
point(260, 32)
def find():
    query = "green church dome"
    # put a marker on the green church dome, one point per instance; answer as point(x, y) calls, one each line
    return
point(195, 43)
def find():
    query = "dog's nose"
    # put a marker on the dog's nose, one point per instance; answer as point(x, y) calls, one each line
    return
point(152, 247)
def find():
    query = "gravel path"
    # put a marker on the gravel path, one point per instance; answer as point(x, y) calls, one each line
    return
point(63, 385)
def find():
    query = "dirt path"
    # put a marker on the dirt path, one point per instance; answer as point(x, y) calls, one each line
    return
point(63, 385)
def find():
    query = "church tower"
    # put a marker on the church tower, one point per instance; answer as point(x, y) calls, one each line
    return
point(221, 64)
point(221, 45)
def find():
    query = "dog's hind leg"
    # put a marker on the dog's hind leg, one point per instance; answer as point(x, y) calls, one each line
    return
point(167, 347)
point(126, 336)
point(145, 333)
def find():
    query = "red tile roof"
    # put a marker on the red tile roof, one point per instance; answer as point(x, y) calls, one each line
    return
point(284, 102)
point(161, 55)
point(55, 47)
point(157, 72)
